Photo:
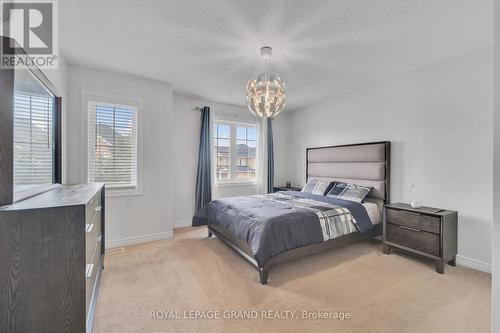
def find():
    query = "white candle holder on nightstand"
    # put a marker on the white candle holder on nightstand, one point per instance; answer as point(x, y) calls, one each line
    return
point(413, 203)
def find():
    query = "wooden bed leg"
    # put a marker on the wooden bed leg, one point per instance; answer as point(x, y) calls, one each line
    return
point(263, 274)
point(210, 234)
point(386, 249)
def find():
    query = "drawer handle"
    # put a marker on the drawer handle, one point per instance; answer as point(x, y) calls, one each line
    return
point(98, 209)
point(409, 228)
point(89, 227)
point(93, 219)
point(88, 270)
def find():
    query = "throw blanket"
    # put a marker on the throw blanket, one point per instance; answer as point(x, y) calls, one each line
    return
point(275, 223)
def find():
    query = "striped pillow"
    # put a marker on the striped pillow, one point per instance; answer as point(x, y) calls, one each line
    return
point(351, 192)
point(316, 186)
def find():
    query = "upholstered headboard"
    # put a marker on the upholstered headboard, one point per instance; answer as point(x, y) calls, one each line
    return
point(362, 163)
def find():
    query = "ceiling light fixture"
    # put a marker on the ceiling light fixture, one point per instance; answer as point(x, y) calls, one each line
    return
point(266, 94)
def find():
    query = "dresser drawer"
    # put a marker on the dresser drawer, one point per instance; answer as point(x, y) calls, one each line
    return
point(414, 220)
point(93, 206)
point(92, 233)
point(91, 271)
point(413, 238)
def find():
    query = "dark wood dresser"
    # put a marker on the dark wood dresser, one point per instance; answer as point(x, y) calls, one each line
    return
point(51, 255)
point(426, 231)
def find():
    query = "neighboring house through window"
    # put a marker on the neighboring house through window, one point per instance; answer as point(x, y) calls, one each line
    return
point(235, 151)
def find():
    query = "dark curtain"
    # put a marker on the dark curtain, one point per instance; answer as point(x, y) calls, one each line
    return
point(270, 157)
point(203, 173)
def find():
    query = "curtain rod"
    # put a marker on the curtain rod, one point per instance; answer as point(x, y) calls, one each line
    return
point(235, 114)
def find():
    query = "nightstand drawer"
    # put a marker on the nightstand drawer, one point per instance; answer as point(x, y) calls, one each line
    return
point(413, 238)
point(414, 220)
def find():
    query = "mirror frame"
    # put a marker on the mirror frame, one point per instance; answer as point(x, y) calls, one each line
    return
point(7, 195)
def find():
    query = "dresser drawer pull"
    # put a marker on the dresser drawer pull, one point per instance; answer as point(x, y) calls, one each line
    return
point(89, 227)
point(98, 209)
point(408, 228)
point(88, 270)
point(93, 219)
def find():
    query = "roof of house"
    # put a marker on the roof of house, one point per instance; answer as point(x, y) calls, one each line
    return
point(241, 149)
point(107, 132)
point(244, 168)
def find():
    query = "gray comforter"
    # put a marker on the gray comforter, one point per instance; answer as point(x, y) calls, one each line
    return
point(275, 223)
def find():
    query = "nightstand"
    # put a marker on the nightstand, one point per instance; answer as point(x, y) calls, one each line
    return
point(284, 188)
point(426, 231)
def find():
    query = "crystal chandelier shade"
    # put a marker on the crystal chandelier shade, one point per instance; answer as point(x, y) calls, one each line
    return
point(266, 94)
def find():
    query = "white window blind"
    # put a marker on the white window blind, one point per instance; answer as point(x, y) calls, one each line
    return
point(112, 145)
point(33, 140)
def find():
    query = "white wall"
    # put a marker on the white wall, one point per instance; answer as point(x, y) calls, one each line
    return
point(495, 297)
point(439, 122)
point(281, 140)
point(186, 137)
point(135, 218)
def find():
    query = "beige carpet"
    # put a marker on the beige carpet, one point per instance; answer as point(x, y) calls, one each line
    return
point(395, 293)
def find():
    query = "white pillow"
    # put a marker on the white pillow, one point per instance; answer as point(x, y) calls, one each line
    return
point(316, 186)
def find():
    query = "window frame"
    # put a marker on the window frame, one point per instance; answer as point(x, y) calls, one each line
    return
point(232, 181)
point(116, 100)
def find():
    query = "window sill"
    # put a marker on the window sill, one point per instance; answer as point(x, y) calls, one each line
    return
point(232, 184)
point(115, 193)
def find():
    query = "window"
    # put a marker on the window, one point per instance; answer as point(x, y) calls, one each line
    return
point(34, 133)
point(112, 145)
point(222, 147)
point(235, 152)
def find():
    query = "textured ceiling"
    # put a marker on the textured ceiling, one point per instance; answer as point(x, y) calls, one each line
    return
point(210, 48)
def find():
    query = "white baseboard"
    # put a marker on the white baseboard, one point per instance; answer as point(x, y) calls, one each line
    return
point(474, 264)
point(181, 224)
point(113, 243)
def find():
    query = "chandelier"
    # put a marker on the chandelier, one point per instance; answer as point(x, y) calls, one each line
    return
point(266, 94)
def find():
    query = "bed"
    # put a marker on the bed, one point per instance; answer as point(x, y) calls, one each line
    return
point(271, 229)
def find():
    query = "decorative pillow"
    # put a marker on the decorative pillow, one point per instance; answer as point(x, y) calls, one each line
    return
point(316, 186)
point(351, 192)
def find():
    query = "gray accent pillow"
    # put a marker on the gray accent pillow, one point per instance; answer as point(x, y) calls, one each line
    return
point(351, 192)
point(316, 186)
